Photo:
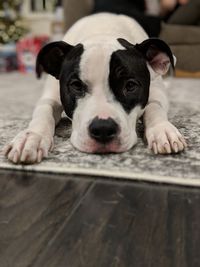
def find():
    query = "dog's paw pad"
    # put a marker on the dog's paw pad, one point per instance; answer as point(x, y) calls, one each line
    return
point(164, 138)
point(28, 147)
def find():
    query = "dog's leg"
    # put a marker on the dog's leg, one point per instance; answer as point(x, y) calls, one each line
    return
point(34, 143)
point(162, 137)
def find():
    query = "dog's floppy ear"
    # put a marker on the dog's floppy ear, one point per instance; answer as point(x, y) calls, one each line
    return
point(158, 54)
point(50, 58)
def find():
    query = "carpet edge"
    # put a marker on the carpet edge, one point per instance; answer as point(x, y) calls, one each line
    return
point(105, 173)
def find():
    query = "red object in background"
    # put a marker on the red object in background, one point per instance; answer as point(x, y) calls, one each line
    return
point(27, 51)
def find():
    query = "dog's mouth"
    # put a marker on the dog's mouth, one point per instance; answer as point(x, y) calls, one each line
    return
point(93, 147)
point(104, 148)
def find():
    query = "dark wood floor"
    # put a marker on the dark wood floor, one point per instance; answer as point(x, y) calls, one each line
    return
point(62, 221)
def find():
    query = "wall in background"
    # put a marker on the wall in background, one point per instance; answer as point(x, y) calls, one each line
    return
point(38, 15)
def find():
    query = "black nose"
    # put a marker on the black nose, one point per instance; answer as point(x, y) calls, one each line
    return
point(103, 131)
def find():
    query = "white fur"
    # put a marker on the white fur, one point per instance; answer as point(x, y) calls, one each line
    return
point(99, 27)
point(98, 33)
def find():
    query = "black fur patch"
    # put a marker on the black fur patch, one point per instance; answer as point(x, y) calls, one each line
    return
point(125, 66)
point(70, 74)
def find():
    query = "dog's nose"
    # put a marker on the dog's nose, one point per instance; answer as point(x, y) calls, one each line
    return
point(103, 131)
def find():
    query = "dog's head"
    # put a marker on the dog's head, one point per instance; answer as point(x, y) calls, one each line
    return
point(104, 88)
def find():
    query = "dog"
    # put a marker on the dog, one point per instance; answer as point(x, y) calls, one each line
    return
point(105, 74)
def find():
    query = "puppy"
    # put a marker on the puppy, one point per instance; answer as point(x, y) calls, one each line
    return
point(105, 74)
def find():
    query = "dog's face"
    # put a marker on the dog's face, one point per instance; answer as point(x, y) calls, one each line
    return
point(104, 88)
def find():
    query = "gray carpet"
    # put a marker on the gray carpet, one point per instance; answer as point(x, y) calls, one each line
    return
point(19, 94)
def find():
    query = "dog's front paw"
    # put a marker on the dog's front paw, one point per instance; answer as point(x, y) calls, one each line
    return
point(28, 147)
point(164, 138)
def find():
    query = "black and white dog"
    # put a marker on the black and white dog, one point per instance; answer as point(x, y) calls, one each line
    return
point(106, 74)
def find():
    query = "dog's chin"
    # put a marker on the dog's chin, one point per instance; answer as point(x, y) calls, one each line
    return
point(93, 147)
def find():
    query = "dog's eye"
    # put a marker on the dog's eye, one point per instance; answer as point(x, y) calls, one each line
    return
point(77, 87)
point(130, 87)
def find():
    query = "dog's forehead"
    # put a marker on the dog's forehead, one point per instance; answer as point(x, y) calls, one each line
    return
point(95, 61)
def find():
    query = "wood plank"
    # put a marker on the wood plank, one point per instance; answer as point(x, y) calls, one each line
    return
point(33, 207)
point(127, 225)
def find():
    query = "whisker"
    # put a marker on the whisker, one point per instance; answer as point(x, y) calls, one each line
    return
point(69, 118)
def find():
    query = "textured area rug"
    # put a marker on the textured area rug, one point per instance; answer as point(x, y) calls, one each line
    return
point(19, 93)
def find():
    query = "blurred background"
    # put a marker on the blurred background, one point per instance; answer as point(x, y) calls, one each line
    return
point(26, 25)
